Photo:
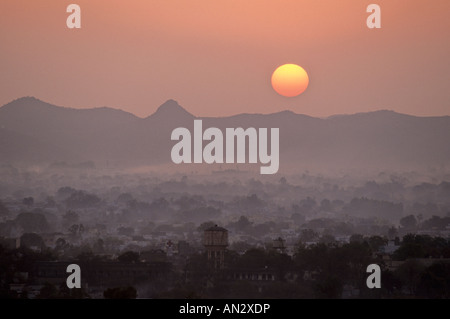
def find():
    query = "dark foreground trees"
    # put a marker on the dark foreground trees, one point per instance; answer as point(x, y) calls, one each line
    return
point(120, 293)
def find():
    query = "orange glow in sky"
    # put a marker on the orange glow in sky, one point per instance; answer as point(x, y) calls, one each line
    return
point(216, 57)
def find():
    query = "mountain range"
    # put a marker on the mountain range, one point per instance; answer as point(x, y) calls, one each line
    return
point(32, 131)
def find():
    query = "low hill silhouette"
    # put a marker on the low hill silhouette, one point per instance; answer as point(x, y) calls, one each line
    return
point(32, 131)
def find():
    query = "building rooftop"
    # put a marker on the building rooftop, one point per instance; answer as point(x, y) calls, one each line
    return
point(216, 228)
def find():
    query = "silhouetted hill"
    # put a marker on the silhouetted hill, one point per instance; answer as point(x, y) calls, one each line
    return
point(170, 110)
point(35, 131)
point(88, 133)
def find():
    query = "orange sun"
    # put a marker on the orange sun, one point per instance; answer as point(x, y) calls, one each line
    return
point(290, 80)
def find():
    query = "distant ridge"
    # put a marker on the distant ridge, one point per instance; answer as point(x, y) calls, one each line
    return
point(30, 103)
point(34, 131)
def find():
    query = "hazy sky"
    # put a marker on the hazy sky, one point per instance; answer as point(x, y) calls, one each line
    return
point(216, 57)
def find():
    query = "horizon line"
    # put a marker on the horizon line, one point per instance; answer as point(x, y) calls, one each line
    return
point(212, 117)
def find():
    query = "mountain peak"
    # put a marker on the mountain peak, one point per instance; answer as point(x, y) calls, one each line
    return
point(171, 108)
point(26, 105)
point(169, 104)
point(26, 100)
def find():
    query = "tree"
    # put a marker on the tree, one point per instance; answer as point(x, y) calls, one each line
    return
point(76, 230)
point(66, 293)
point(408, 222)
point(64, 192)
point(436, 222)
point(344, 228)
point(259, 230)
point(375, 208)
point(356, 238)
point(422, 246)
point(125, 198)
point(81, 199)
point(329, 287)
point(298, 218)
point(320, 223)
point(31, 240)
point(307, 205)
point(28, 201)
point(327, 239)
point(435, 281)
point(50, 201)
point(409, 274)
point(200, 213)
point(120, 293)
point(391, 283)
point(240, 246)
point(253, 258)
point(392, 232)
point(99, 246)
point(190, 202)
point(48, 291)
point(204, 226)
point(147, 229)
point(409, 249)
point(160, 205)
point(125, 231)
point(243, 224)
point(325, 205)
point(3, 209)
point(330, 266)
point(308, 235)
point(376, 242)
point(86, 255)
point(32, 222)
point(70, 218)
point(129, 257)
point(61, 244)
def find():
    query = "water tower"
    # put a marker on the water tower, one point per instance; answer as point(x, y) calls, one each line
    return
point(215, 240)
point(279, 245)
